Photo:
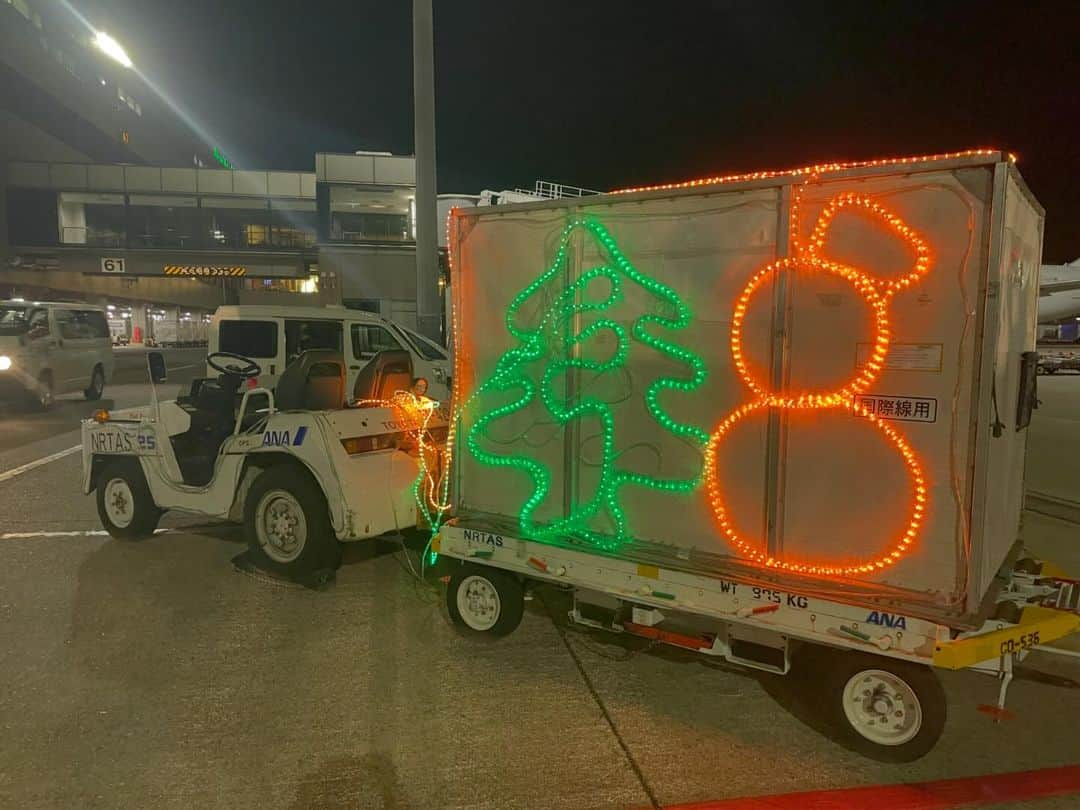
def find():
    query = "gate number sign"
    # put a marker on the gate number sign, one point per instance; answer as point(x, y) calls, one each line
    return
point(112, 265)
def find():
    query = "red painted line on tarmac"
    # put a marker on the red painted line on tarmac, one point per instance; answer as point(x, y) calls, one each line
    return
point(968, 792)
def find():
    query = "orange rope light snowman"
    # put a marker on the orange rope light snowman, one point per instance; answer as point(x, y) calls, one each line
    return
point(877, 293)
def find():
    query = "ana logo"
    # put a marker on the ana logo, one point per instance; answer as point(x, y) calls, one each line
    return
point(485, 538)
point(282, 438)
point(887, 619)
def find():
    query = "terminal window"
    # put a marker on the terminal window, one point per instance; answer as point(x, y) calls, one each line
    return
point(360, 214)
point(235, 222)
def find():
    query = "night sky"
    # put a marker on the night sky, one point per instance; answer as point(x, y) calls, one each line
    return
point(606, 94)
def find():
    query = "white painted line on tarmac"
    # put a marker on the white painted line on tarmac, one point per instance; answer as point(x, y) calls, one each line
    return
point(33, 465)
point(36, 535)
point(45, 535)
point(86, 533)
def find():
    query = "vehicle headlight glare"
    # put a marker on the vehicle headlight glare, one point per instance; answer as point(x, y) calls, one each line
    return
point(5, 362)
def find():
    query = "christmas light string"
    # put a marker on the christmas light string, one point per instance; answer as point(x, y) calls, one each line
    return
point(547, 341)
point(817, 169)
point(809, 258)
point(414, 413)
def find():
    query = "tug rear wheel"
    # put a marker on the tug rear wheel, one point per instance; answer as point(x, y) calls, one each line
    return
point(125, 506)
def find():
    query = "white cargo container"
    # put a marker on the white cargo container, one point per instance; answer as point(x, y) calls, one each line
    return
point(741, 411)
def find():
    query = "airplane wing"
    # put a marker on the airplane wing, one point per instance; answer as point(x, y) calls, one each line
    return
point(1051, 287)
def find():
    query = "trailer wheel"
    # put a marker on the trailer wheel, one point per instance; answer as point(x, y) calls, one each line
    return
point(485, 601)
point(125, 506)
point(883, 708)
point(288, 525)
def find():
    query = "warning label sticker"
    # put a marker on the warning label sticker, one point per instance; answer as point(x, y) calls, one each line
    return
point(904, 409)
point(904, 356)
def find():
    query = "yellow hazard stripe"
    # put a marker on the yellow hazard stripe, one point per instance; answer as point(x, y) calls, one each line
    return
point(1038, 625)
point(203, 270)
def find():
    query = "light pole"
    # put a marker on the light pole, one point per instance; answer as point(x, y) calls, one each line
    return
point(428, 305)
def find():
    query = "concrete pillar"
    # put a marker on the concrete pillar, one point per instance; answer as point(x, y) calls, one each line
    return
point(230, 294)
point(428, 302)
point(138, 323)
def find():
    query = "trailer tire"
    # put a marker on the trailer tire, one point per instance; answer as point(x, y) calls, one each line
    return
point(485, 602)
point(883, 708)
point(124, 503)
point(287, 522)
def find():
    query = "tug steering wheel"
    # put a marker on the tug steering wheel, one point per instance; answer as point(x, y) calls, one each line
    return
point(245, 372)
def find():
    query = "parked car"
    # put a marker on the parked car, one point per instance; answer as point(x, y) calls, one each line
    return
point(275, 336)
point(49, 348)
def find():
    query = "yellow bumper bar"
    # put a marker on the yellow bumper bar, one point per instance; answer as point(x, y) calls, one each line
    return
point(1038, 625)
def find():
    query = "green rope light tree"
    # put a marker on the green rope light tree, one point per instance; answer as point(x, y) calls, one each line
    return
point(544, 351)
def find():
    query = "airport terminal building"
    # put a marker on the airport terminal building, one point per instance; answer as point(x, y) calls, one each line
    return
point(108, 196)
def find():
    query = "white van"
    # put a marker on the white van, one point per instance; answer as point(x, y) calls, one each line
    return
point(273, 336)
point(49, 348)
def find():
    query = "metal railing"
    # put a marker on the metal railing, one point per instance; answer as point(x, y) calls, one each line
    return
point(554, 191)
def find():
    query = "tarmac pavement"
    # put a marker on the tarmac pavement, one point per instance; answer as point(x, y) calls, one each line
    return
point(161, 674)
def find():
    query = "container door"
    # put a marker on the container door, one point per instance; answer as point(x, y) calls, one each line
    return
point(1010, 319)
